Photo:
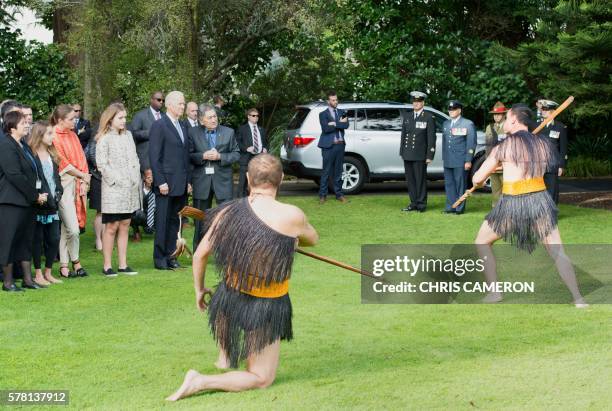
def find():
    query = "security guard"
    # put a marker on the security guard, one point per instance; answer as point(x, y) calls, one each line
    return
point(417, 149)
point(458, 145)
point(556, 131)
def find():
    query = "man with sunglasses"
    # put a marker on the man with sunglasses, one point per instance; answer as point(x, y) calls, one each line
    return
point(82, 127)
point(141, 124)
point(251, 141)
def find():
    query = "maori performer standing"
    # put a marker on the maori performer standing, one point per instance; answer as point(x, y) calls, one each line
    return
point(525, 213)
point(253, 241)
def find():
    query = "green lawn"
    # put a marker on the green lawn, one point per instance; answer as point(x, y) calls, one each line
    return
point(125, 343)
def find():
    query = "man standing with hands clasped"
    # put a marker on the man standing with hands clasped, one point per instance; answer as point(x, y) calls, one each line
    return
point(458, 145)
point(333, 123)
point(252, 141)
point(556, 132)
point(169, 157)
point(212, 151)
point(417, 149)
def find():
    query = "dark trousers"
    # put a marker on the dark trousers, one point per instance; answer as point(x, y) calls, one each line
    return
point(16, 233)
point(46, 241)
point(204, 205)
point(243, 187)
point(551, 180)
point(454, 185)
point(167, 224)
point(333, 158)
point(416, 180)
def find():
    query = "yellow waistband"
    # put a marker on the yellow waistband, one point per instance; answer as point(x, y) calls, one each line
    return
point(274, 290)
point(531, 185)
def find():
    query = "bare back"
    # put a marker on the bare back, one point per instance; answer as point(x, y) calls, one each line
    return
point(284, 218)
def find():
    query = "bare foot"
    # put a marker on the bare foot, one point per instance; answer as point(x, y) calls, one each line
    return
point(580, 303)
point(190, 386)
point(492, 298)
point(222, 364)
point(40, 280)
point(49, 277)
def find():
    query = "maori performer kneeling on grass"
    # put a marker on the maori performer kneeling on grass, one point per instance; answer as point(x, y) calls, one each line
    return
point(525, 214)
point(253, 240)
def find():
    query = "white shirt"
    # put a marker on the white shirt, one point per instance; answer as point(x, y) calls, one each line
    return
point(454, 121)
point(192, 122)
point(417, 113)
point(155, 113)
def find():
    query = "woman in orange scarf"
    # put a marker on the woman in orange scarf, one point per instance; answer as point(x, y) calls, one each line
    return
point(75, 181)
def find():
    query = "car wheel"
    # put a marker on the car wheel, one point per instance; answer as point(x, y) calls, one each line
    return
point(353, 175)
point(476, 164)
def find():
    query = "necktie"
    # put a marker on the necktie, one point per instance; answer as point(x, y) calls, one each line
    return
point(212, 141)
point(180, 131)
point(338, 137)
point(256, 140)
point(157, 115)
point(150, 209)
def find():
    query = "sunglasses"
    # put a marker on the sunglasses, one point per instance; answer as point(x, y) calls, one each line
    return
point(253, 115)
point(161, 100)
point(77, 111)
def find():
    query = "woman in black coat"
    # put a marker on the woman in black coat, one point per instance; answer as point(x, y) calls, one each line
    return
point(19, 192)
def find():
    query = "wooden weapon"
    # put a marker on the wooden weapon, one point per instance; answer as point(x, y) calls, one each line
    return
point(539, 128)
point(196, 214)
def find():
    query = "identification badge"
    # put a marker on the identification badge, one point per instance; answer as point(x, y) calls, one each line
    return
point(458, 131)
point(421, 124)
point(38, 184)
point(209, 170)
point(554, 134)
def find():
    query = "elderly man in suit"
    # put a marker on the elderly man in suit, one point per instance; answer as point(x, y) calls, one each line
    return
point(252, 141)
point(141, 125)
point(458, 145)
point(169, 159)
point(212, 151)
point(333, 123)
point(191, 113)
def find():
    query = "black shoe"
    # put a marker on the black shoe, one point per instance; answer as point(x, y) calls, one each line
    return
point(109, 272)
point(81, 272)
point(173, 264)
point(32, 286)
point(409, 208)
point(448, 212)
point(71, 274)
point(421, 210)
point(162, 267)
point(12, 288)
point(127, 271)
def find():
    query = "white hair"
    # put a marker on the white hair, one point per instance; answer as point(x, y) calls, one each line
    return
point(173, 98)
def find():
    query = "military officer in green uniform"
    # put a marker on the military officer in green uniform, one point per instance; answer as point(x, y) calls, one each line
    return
point(494, 135)
point(417, 149)
point(556, 131)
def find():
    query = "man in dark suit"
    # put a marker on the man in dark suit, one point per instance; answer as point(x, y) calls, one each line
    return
point(169, 159)
point(82, 127)
point(252, 141)
point(212, 151)
point(141, 124)
point(333, 123)
point(556, 132)
point(191, 114)
point(417, 149)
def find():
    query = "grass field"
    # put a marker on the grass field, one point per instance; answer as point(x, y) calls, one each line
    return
point(125, 343)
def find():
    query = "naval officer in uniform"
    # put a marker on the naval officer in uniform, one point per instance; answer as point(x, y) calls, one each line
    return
point(458, 145)
point(556, 131)
point(417, 149)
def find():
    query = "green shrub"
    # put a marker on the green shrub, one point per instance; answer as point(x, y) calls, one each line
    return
point(583, 166)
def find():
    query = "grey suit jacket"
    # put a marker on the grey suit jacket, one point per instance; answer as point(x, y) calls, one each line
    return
point(221, 181)
point(140, 126)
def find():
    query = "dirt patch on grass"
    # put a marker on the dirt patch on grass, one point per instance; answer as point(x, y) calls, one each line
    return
point(601, 200)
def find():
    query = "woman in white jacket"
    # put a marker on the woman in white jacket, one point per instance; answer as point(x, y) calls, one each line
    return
point(117, 161)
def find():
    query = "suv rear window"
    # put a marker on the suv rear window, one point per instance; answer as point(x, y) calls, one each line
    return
point(298, 118)
point(379, 119)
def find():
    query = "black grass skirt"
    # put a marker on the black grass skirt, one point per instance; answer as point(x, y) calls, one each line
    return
point(524, 220)
point(244, 325)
